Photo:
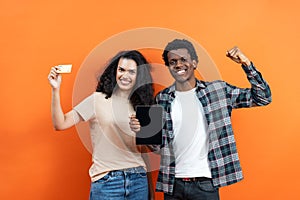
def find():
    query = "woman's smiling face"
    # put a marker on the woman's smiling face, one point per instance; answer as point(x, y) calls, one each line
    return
point(126, 74)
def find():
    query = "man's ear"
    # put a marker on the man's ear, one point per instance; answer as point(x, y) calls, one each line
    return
point(195, 64)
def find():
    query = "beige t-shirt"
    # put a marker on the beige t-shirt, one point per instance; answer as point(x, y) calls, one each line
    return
point(113, 142)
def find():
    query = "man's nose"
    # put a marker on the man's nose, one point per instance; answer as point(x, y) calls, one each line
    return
point(179, 64)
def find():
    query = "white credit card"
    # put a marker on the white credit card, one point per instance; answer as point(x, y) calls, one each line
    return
point(64, 68)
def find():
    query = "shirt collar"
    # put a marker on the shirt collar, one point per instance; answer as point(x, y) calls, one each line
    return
point(199, 85)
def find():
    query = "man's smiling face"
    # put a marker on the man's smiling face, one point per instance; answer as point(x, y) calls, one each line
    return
point(181, 66)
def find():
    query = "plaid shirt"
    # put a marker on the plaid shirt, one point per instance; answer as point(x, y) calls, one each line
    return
point(218, 98)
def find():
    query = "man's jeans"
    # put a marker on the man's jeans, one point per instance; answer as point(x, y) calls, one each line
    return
point(194, 190)
point(124, 184)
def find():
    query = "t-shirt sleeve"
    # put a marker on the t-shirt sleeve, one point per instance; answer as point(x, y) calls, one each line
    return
point(86, 108)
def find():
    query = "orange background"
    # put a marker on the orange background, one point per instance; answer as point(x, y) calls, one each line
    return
point(39, 163)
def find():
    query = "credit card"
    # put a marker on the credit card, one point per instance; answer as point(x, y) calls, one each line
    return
point(64, 68)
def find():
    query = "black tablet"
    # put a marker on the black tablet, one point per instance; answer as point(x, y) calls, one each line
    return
point(151, 120)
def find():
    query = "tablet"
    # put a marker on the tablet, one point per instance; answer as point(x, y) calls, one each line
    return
point(151, 121)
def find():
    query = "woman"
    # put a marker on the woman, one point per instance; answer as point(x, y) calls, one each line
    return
point(118, 170)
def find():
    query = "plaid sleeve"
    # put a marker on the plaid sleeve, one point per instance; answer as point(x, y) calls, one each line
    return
point(258, 95)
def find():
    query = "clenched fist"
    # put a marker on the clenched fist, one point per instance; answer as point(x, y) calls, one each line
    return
point(238, 56)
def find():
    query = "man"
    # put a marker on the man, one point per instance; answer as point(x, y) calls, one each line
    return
point(199, 154)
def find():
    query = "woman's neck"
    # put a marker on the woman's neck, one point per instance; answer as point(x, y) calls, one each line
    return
point(121, 94)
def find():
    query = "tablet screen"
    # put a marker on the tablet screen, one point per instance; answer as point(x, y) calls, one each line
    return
point(151, 120)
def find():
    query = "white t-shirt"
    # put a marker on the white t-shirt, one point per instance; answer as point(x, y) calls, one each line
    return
point(113, 142)
point(190, 136)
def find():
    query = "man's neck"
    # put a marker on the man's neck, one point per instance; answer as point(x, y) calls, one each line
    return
point(185, 86)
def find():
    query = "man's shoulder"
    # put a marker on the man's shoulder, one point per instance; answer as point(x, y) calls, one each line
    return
point(214, 83)
point(164, 91)
point(164, 94)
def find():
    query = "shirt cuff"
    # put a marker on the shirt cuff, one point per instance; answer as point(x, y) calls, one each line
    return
point(250, 69)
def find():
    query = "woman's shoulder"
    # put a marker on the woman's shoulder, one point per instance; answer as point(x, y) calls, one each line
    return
point(100, 97)
point(99, 94)
point(95, 95)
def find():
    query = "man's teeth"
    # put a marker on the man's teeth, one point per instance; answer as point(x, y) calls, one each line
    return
point(181, 72)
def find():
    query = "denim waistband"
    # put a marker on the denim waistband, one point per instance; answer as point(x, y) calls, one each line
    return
point(134, 169)
point(139, 169)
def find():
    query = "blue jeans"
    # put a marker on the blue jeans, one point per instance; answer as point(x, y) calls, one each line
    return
point(194, 190)
point(129, 184)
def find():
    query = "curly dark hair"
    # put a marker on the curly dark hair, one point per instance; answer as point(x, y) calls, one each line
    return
point(142, 93)
point(179, 44)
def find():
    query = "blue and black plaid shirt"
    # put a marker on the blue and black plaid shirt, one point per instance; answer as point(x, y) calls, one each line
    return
point(218, 98)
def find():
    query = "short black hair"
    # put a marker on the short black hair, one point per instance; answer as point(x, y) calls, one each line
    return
point(179, 44)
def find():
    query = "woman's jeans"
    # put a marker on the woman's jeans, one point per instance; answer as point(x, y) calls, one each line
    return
point(194, 190)
point(123, 184)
